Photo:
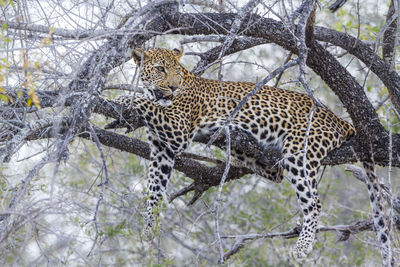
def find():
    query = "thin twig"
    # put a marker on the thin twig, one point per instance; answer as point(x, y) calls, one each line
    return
point(389, 182)
point(125, 87)
point(280, 74)
point(344, 231)
point(218, 198)
point(103, 184)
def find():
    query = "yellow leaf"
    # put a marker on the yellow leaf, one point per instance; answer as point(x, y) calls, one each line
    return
point(2, 90)
point(4, 98)
point(35, 99)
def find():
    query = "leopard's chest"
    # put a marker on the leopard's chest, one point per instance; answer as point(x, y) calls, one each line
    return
point(171, 127)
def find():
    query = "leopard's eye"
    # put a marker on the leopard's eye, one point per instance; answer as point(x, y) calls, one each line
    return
point(160, 68)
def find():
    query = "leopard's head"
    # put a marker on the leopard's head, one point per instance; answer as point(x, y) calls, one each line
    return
point(160, 72)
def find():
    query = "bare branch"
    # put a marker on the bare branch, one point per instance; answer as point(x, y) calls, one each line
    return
point(70, 34)
point(218, 198)
point(344, 232)
point(304, 36)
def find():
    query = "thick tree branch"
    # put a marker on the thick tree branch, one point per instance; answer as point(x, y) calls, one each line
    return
point(389, 36)
point(204, 176)
point(350, 151)
point(363, 52)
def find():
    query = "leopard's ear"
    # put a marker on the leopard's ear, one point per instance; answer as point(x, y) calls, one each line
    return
point(178, 53)
point(137, 55)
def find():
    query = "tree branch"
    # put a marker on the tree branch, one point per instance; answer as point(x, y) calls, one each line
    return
point(350, 151)
point(389, 36)
point(344, 232)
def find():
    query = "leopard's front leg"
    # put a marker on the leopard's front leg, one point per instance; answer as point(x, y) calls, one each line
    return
point(161, 163)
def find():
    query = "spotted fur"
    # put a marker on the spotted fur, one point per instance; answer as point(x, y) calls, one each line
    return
point(380, 222)
point(180, 104)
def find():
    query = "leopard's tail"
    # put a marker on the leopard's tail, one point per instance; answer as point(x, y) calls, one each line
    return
point(381, 223)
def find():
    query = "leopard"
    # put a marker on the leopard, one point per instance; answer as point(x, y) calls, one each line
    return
point(177, 104)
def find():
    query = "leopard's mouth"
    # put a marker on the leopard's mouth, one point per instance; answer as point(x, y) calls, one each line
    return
point(160, 95)
point(164, 93)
